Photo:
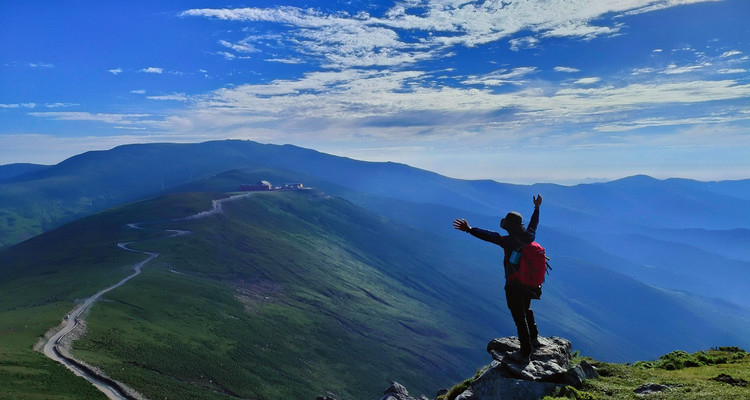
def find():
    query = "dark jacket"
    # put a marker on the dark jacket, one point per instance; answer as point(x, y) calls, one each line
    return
point(517, 237)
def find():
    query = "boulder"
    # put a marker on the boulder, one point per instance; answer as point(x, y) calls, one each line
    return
point(547, 363)
point(650, 388)
point(511, 376)
point(396, 391)
point(495, 384)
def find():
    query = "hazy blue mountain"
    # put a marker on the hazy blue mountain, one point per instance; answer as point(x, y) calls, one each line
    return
point(9, 171)
point(706, 217)
point(283, 277)
point(622, 288)
point(585, 269)
point(659, 232)
point(97, 180)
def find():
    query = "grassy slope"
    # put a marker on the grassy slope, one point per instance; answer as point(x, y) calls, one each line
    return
point(40, 286)
point(687, 376)
point(289, 297)
point(286, 295)
point(618, 381)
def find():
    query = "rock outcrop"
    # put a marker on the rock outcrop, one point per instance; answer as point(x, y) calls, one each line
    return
point(398, 392)
point(511, 376)
point(515, 377)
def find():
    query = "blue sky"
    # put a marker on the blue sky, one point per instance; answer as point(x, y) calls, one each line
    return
point(521, 91)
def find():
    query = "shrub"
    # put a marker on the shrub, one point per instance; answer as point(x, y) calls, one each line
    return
point(679, 359)
point(569, 392)
point(461, 387)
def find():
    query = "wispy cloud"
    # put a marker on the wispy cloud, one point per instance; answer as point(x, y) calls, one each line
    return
point(286, 60)
point(732, 71)
point(501, 77)
point(239, 47)
point(527, 42)
point(355, 101)
point(18, 105)
point(588, 81)
point(673, 69)
point(115, 71)
point(411, 31)
point(110, 118)
point(61, 105)
point(731, 53)
point(152, 70)
point(566, 69)
point(170, 97)
point(41, 65)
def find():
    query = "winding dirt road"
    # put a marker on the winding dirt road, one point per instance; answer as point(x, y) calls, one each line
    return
point(52, 349)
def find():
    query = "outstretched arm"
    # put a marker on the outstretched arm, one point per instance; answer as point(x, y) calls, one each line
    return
point(461, 225)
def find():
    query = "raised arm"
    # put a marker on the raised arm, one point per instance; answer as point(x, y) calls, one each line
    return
point(534, 221)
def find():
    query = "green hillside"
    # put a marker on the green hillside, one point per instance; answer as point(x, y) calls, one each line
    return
point(284, 295)
point(719, 373)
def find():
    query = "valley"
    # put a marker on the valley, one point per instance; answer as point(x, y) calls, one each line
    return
point(348, 286)
point(58, 344)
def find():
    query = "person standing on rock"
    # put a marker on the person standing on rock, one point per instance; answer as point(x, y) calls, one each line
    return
point(517, 295)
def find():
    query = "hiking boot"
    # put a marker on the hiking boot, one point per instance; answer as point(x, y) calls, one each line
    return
point(521, 355)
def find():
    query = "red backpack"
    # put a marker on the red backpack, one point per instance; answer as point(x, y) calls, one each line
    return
point(532, 264)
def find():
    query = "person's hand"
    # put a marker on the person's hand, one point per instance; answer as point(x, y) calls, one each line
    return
point(461, 225)
point(537, 200)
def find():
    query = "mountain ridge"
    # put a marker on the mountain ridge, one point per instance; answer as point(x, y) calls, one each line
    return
point(579, 226)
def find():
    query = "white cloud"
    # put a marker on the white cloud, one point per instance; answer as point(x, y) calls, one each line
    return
point(18, 105)
point(115, 71)
point(566, 69)
point(152, 70)
point(138, 91)
point(61, 105)
point(673, 69)
point(171, 97)
point(660, 122)
point(657, 50)
point(109, 118)
point(650, 6)
point(329, 105)
point(732, 71)
point(500, 77)
point(227, 55)
point(588, 81)
point(286, 60)
point(731, 53)
point(238, 47)
point(411, 31)
point(528, 42)
point(644, 70)
point(41, 65)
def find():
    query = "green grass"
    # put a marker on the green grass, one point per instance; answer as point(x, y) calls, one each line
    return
point(31, 375)
point(327, 323)
point(689, 376)
point(42, 279)
point(285, 295)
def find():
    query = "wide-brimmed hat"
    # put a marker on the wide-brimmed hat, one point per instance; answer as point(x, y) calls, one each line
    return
point(511, 220)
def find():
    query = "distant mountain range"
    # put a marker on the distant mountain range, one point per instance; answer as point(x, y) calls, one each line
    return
point(368, 259)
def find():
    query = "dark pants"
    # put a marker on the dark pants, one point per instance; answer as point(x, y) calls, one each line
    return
point(519, 304)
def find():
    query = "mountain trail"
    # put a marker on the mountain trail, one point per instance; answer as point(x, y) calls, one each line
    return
point(59, 341)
